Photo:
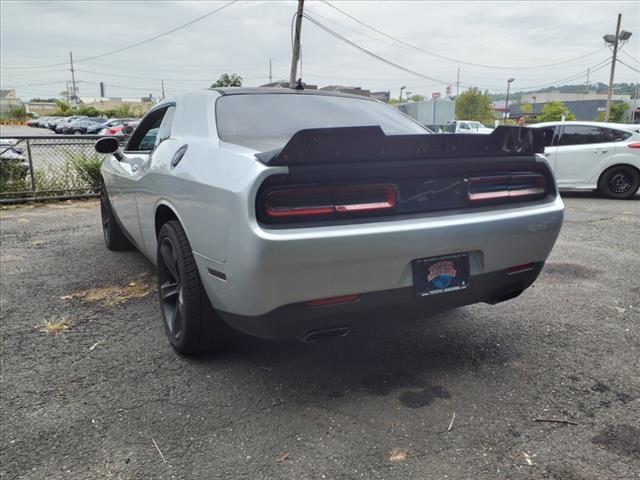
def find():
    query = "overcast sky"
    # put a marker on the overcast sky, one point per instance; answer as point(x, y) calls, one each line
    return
point(243, 37)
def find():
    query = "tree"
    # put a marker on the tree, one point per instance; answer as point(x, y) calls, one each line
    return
point(474, 105)
point(227, 80)
point(553, 111)
point(617, 113)
point(416, 98)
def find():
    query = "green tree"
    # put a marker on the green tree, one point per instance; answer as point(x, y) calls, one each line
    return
point(18, 112)
point(416, 98)
point(617, 113)
point(553, 111)
point(64, 109)
point(227, 80)
point(474, 105)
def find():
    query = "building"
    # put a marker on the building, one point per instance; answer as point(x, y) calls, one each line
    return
point(8, 100)
point(585, 110)
point(41, 108)
point(382, 96)
point(109, 103)
point(558, 96)
point(350, 90)
point(430, 112)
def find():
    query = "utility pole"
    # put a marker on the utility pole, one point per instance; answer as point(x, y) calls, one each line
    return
point(613, 68)
point(162, 82)
point(68, 96)
point(73, 80)
point(296, 44)
point(270, 76)
point(458, 83)
point(401, 89)
point(587, 84)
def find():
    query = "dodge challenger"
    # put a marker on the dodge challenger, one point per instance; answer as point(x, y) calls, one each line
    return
point(298, 214)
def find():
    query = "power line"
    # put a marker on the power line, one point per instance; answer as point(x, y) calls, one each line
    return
point(628, 66)
point(137, 44)
point(370, 53)
point(451, 59)
point(629, 56)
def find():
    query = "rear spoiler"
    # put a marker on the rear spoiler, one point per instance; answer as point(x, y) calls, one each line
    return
point(370, 144)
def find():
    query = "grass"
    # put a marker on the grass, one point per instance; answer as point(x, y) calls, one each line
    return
point(54, 328)
point(116, 294)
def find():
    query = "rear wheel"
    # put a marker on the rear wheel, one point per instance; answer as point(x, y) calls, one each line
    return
point(191, 324)
point(621, 181)
point(114, 237)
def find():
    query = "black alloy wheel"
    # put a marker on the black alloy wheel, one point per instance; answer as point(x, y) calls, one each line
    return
point(621, 181)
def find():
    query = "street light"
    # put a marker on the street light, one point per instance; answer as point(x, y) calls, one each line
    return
point(533, 110)
point(407, 95)
point(506, 107)
point(615, 41)
point(401, 89)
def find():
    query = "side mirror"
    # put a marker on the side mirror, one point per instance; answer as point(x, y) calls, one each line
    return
point(109, 146)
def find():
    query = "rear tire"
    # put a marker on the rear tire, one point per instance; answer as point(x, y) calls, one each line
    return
point(620, 181)
point(191, 324)
point(114, 237)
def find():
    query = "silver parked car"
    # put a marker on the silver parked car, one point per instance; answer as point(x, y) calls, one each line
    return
point(302, 214)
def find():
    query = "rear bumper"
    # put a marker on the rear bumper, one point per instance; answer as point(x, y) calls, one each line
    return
point(301, 321)
point(268, 269)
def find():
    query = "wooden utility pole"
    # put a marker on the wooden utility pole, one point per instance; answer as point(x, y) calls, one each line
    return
point(613, 68)
point(296, 45)
point(73, 81)
point(162, 81)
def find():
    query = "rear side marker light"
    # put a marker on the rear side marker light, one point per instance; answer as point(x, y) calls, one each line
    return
point(634, 145)
point(326, 302)
point(324, 201)
point(526, 267)
point(501, 187)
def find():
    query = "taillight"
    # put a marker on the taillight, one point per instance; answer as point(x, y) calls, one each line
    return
point(634, 145)
point(329, 201)
point(502, 187)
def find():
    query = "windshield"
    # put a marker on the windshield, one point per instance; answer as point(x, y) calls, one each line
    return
point(268, 121)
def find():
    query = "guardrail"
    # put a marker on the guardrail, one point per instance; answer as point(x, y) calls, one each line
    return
point(49, 167)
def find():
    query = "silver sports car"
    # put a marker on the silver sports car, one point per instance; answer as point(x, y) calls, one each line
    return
point(300, 214)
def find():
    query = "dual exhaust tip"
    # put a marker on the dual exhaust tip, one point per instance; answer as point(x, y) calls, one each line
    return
point(325, 333)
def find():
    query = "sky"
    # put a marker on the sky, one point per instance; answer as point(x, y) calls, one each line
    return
point(508, 38)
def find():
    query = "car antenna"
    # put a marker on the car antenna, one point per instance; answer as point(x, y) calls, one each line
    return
point(299, 84)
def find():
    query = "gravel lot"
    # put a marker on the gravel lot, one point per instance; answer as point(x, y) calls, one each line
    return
point(108, 398)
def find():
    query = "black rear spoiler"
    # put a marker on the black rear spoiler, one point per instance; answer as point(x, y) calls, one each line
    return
point(370, 144)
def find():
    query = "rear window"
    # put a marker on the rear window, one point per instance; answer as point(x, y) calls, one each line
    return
point(267, 121)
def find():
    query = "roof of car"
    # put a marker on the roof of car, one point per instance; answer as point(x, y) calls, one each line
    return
point(626, 126)
point(280, 90)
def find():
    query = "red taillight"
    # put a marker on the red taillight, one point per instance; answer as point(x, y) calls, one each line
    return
point(323, 201)
point(501, 187)
point(634, 145)
point(325, 302)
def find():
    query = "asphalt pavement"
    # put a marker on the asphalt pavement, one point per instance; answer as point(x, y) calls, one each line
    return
point(545, 386)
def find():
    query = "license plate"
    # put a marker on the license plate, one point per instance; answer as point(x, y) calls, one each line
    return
point(446, 273)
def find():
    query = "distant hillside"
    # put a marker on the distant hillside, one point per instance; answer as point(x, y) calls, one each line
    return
point(618, 88)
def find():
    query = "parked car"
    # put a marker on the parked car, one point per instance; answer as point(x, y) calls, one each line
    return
point(51, 121)
point(13, 164)
point(114, 122)
point(594, 156)
point(468, 126)
point(80, 127)
point(58, 126)
point(124, 129)
point(303, 214)
point(41, 123)
point(33, 122)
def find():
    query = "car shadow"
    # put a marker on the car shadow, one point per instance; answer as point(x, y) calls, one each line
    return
point(593, 194)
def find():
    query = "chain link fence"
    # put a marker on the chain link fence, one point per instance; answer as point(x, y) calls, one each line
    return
point(60, 167)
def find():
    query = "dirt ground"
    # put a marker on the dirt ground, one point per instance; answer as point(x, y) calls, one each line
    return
point(90, 388)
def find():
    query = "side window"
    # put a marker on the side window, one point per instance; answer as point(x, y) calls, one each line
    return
point(144, 137)
point(581, 135)
point(613, 135)
point(548, 135)
point(164, 131)
point(465, 126)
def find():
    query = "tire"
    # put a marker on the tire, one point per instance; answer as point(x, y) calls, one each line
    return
point(114, 237)
point(191, 324)
point(620, 181)
point(77, 132)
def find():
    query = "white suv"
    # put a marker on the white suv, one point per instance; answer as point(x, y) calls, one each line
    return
point(593, 155)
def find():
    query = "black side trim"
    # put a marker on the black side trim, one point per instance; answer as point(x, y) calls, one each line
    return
point(217, 274)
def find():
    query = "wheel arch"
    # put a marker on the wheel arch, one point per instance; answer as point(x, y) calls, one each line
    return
point(165, 212)
point(616, 165)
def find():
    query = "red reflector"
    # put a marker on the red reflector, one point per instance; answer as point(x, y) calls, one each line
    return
point(324, 302)
point(525, 267)
point(634, 145)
